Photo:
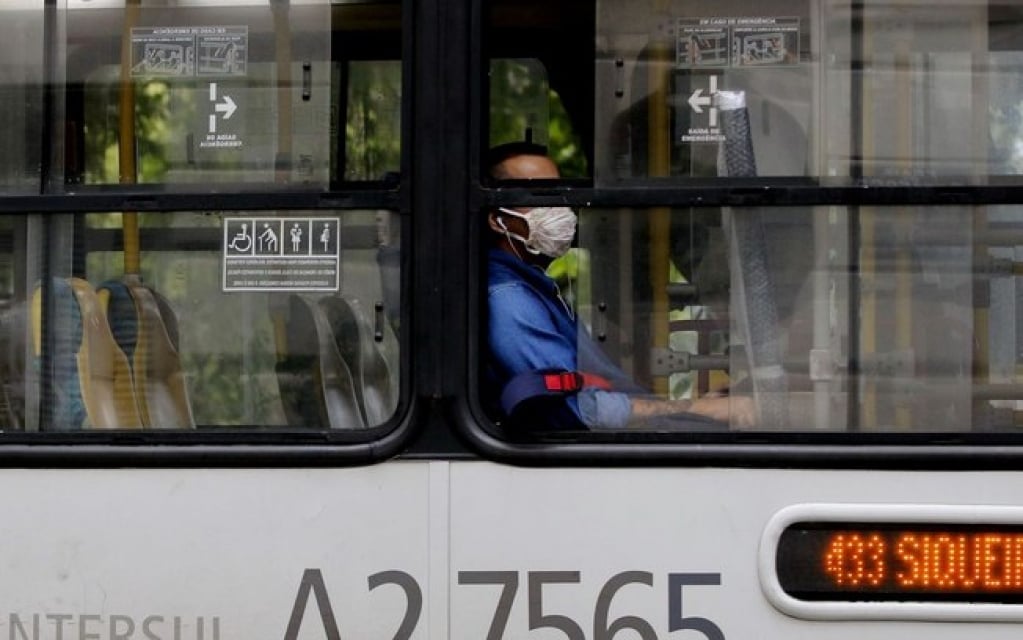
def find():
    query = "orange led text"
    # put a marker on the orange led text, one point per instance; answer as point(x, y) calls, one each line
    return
point(926, 561)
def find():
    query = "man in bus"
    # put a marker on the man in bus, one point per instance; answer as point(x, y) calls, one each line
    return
point(537, 355)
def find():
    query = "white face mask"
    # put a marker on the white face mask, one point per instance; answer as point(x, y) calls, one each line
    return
point(551, 230)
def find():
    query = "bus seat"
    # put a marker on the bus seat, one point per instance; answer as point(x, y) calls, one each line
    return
point(374, 374)
point(91, 377)
point(315, 382)
point(145, 327)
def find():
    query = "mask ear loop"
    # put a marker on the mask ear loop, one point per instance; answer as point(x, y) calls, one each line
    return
point(507, 234)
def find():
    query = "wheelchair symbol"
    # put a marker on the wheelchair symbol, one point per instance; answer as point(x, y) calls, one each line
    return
point(242, 241)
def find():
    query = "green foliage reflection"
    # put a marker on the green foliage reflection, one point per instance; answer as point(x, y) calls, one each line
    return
point(524, 107)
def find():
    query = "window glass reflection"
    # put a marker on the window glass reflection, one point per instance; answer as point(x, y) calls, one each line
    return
point(178, 330)
point(876, 90)
point(912, 327)
point(211, 93)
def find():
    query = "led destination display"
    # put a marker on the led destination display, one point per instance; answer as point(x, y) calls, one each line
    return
point(892, 562)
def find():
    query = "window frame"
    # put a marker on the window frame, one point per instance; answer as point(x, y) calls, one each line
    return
point(962, 450)
point(229, 446)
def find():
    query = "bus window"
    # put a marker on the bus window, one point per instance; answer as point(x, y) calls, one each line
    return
point(188, 318)
point(659, 72)
point(907, 322)
point(519, 102)
point(913, 331)
point(537, 90)
point(890, 317)
point(373, 126)
point(249, 319)
point(662, 75)
point(230, 93)
point(523, 106)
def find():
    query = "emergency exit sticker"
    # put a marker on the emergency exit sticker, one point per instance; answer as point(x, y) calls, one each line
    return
point(189, 51)
point(281, 254)
point(755, 41)
point(205, 64)
point(706, 48)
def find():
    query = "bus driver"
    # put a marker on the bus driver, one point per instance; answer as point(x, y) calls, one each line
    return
point(536, 352)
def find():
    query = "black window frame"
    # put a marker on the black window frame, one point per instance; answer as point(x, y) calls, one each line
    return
point(439, 196)
point(235, 446)
point(963, 450)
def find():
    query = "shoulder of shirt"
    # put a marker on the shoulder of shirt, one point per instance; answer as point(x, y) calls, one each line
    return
point(511, 269)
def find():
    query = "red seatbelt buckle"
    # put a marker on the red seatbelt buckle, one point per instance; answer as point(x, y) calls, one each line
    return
point(565, 381)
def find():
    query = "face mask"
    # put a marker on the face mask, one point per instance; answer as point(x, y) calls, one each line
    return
point(551, 230)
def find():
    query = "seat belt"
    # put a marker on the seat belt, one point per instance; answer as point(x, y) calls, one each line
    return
point(547, 383)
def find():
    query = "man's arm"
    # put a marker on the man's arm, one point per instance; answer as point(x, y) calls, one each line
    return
point(738, 411)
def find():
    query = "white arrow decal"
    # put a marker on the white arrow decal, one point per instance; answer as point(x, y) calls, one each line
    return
point(229, 107)
point(698, 99)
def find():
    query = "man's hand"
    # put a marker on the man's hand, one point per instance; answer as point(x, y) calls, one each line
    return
point(739, 411)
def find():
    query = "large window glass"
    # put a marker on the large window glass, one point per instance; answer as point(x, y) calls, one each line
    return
point(663, 68)
point(833, 89)
point(830, 319)
point(225, 95)
point(201, 92)
point(178, 317)
point(203, 319)
point(912, 328)
point(800, 307)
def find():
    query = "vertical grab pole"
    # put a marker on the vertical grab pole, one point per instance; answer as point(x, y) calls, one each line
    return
point(127, 170)
point(981, 368)
point(863, 327)
point(903, 418)
point(659, 158)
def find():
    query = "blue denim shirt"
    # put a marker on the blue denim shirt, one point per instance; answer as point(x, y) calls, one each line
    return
point(531, 328)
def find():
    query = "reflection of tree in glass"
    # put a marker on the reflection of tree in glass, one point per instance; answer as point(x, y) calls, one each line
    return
point(154, 130)
point(521, 100)
point(373, 120)
point(518, 101)
point(228, 362)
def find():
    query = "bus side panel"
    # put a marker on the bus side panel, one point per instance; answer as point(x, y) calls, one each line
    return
point(428, 550)
point(671, 552)
point(198, 554)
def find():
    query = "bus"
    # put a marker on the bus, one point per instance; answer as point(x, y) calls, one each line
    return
point(244, 319)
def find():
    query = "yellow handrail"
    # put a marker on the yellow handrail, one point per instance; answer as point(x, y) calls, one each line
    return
point(127, 169)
